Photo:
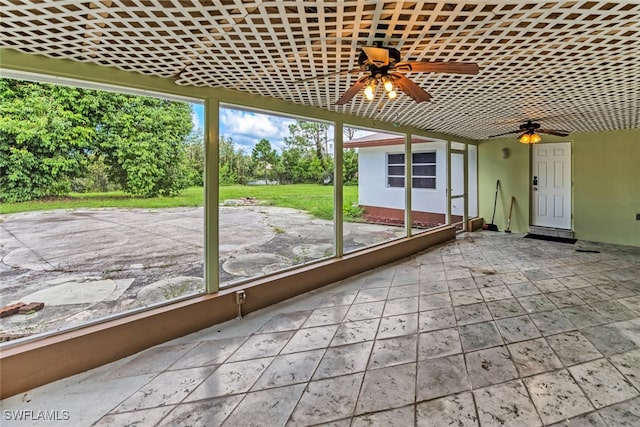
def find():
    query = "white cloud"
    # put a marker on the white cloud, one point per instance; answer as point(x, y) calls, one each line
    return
point(247, 128)
point(196, 121)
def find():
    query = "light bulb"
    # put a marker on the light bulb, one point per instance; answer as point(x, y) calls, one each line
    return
point(388, 84)
point(392, 94)
point(368, 92)
point(525, 139)
point(535, 138)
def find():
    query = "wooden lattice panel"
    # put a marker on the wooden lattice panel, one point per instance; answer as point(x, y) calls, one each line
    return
point(572, 65)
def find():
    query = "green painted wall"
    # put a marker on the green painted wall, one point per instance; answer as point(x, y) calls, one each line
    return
point(607, 187)
point(606, 184)
point(514, 181)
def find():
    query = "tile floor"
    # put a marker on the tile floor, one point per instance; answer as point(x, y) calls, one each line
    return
point(492, 329)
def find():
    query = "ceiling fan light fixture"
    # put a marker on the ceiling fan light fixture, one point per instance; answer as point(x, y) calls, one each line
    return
point(383, 65)
point(530, 133)
point(530, 137)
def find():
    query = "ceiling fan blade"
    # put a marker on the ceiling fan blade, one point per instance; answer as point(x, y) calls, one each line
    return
point(353, 90)
point(554, 132)
point(377, 55)
point(438, 67)
point(336, 73)
point(410, 88)
point(506, 133)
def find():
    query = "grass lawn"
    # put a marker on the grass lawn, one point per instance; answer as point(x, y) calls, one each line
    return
point(192, 196)
point(316, 199)
point(313, 198)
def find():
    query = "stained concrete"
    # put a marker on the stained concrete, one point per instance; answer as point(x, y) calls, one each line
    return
point(85, 264)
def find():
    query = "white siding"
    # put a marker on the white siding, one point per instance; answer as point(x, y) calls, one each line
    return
point(372, 179)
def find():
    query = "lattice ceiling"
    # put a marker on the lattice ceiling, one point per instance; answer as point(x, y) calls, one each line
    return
point(572, 65)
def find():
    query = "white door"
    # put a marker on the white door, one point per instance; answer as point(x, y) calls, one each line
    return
point(551, 186)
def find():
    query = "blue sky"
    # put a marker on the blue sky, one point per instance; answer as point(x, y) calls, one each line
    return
point(246, 128)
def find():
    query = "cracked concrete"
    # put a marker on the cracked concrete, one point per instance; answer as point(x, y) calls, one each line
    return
point(87, 264)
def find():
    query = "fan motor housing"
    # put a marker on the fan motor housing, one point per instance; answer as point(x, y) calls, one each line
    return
point(394, 56)
point(530, 126)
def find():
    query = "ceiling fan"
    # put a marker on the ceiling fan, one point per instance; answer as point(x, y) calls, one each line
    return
point(384, 68)
point(529, 132)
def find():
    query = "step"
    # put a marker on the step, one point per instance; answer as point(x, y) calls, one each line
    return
point(549, 231)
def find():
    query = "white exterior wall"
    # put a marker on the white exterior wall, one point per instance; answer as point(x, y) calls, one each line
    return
point(372, 179)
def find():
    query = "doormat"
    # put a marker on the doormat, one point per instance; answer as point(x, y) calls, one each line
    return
point(550, 238)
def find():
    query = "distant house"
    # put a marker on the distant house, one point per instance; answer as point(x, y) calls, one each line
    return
point(381, 171)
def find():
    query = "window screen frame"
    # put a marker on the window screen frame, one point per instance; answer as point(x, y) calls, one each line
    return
point(395, 178)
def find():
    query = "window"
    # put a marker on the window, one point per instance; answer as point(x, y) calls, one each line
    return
point(161, 154)
point(262, 166)
point(365, 170)
point(423, 170)
point(395, 170)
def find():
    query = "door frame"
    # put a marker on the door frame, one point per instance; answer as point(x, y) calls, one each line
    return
point(465, 178)
point(532, 192)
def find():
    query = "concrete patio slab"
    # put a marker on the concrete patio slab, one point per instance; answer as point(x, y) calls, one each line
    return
point(86, 264)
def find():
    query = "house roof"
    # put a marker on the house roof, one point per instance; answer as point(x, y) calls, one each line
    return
point(572, 65)
point(381, 140)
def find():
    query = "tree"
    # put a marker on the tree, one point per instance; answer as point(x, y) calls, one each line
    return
point(52, 136)
point(96, 178)
point(194, 153)
point(46, 132)
point(309, 135)
point(292, 167)
point(242, 165)
point(142, 140)
point(350, 166)
point(235, 166)
point(310, 141)
point(226, 157)
point(263, 154)
point(350, 132)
